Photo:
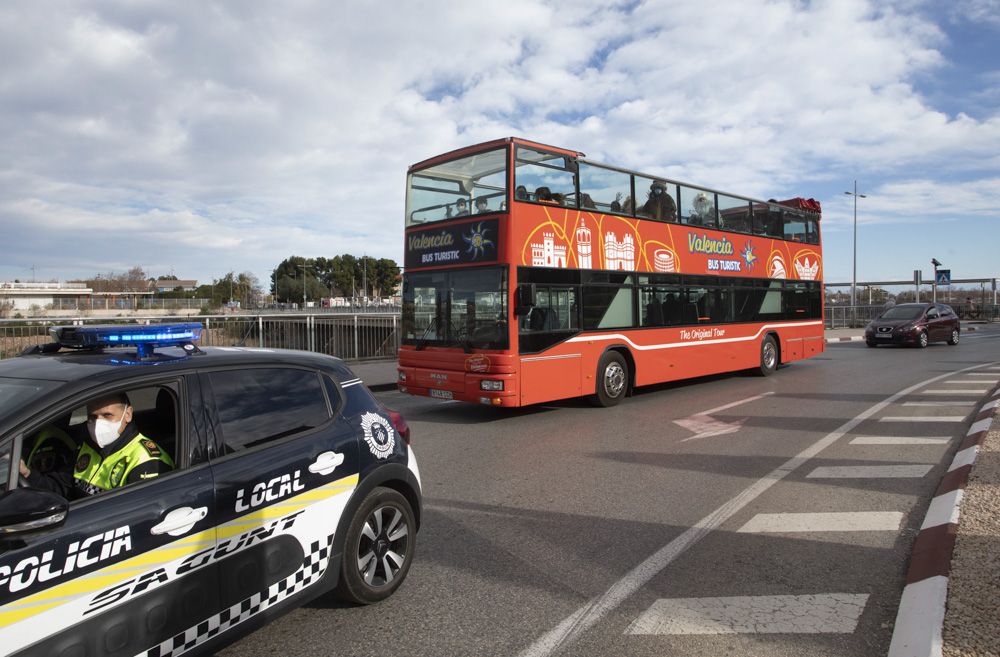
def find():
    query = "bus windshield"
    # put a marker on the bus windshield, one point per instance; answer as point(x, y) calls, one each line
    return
point(460, 308)
point(474, 184)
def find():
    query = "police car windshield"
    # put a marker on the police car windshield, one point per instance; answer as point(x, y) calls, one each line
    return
point(15, 393)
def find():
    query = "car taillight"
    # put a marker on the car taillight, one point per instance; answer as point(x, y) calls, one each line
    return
point(401, 426)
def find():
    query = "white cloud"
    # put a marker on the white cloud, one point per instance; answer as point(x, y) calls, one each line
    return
point(219, 136)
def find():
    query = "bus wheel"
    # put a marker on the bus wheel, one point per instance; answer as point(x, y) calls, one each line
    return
point(612, 379)
point(768, 357)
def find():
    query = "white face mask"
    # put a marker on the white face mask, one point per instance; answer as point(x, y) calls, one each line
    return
point(105, 432)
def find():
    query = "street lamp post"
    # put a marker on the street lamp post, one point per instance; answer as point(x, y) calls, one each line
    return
point(854, 271)
point(303, 268)
point(934, 261)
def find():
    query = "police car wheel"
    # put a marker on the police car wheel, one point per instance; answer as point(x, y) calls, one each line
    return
point(378, 549)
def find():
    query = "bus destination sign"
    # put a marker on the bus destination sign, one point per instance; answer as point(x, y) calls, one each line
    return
point(466, 243)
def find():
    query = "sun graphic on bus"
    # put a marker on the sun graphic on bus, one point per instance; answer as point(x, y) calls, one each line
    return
point(476, 239)
point(749, 256)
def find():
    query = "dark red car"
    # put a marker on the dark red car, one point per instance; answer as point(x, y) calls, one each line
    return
point(916, 324)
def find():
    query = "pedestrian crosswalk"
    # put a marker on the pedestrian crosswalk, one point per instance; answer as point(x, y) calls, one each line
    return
point(878, 455)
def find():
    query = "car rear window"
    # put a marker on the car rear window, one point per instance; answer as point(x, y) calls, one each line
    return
point(903, 312)
point(257, 406)
point(15, 393)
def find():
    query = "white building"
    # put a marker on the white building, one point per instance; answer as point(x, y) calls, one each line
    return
point(547, 254)
point(583, 246)
point(619, 255)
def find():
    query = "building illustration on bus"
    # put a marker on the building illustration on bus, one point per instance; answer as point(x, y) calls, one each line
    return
point(533, 274)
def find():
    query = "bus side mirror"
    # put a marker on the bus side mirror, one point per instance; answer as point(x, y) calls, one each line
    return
point(525, 298)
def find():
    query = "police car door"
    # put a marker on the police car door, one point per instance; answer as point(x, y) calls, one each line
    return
point(285, 465)
point(114, 578)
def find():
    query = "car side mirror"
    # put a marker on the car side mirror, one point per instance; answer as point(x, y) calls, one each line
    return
point(525, 298)
point(24, 510)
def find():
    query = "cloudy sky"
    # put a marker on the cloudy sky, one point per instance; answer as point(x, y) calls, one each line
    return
point(202, 137)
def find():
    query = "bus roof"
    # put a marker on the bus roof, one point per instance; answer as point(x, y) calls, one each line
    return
point(486, 145)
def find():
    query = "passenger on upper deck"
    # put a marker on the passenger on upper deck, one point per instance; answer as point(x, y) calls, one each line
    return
point(703, 211)
point(660, 204)
point(544, 195)
point(521, 193)
point(461, 208)
point(481, 205)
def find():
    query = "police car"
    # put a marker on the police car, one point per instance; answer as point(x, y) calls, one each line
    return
point(268, 477)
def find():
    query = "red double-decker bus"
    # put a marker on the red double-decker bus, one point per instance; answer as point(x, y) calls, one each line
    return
point(533, 274)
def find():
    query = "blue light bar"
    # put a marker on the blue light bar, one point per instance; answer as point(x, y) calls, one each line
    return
point(145, 337)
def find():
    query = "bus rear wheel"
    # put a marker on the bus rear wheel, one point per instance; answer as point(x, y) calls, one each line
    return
point(612, 380)
point(768, 357)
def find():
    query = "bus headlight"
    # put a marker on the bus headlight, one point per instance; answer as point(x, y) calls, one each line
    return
point(490, 384)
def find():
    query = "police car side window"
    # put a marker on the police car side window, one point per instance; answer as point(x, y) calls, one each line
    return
point(257, 406)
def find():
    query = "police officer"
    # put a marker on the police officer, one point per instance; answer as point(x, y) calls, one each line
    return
point(115, 455)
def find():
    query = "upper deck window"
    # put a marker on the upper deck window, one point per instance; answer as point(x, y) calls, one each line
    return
point(544, 178)
point(475, 184)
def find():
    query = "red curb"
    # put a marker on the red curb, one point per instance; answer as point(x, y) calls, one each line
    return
point(972, 440)
point(931, 556)
point(954, 480)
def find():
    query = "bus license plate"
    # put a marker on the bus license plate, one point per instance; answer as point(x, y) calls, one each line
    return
point(442, 394)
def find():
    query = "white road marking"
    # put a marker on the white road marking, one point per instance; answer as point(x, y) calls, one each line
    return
point(962, 382)
point(851, 521)
point(870, 472)
point(726, 407)
point(966, 457)
point(944, 509)
point(940, 403)
point(829, 613)
point(980, 374)
point(593, 610)
point(923, 418)
point(899, 440)
point(953, 392)
point(990, 405)
point(703, 425)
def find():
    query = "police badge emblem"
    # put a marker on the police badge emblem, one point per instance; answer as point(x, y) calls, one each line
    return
point(82, 462)
point(378, 434)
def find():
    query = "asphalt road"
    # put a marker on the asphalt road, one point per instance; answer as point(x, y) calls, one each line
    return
point(729, 515)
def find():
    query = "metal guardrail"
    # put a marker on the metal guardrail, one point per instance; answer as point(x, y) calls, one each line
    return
point(859, 316)
point(348, 336)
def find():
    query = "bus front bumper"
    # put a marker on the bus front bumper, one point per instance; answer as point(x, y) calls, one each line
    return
point(486, 388)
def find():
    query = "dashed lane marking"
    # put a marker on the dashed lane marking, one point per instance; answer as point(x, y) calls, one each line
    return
point(829, 613)
point(870, 472)
point(941, 403)
point(852, 521)
point(953, 392)
point(900, 440)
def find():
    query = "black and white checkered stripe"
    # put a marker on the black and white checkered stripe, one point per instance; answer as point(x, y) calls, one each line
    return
point(313, 567)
